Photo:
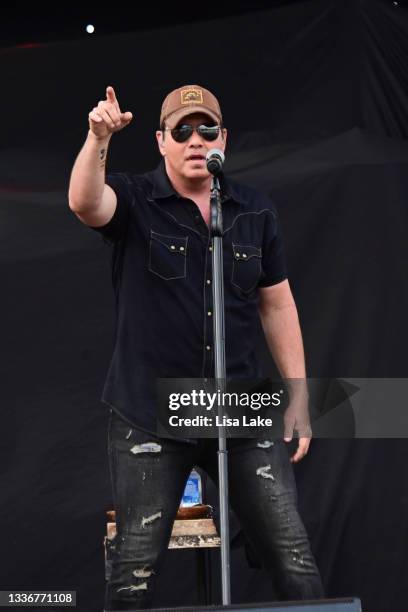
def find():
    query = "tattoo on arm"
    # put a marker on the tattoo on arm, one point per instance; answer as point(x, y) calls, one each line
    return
point(102, 157)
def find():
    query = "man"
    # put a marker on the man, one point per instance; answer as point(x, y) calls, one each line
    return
point(158, 225)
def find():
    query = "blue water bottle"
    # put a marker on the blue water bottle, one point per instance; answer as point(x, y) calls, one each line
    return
point(193, 490)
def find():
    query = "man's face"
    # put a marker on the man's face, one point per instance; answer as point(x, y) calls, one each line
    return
point(187, 159)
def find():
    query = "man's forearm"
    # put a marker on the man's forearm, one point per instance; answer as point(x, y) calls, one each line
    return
point(284, 338)
point(88, 174)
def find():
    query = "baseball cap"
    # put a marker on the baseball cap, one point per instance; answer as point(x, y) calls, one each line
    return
point(187, 100)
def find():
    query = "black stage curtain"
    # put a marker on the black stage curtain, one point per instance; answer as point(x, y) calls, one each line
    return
point(315, 98)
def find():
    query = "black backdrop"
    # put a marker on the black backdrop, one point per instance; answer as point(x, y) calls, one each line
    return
point(315, 98)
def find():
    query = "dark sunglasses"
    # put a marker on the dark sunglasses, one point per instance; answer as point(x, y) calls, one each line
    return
point(181, 133)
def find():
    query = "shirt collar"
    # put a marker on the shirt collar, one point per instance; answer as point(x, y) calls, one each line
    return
point(162, 187)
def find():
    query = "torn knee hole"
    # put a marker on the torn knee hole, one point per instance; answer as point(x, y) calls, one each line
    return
point(265, 472)
point(147, 520)
point(146, 447)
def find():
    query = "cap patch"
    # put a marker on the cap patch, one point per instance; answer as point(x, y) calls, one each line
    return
point(191, 95)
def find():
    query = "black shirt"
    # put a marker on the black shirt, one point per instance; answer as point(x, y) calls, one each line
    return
point(162, 278)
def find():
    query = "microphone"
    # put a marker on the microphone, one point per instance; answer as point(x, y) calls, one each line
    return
point(214, 158)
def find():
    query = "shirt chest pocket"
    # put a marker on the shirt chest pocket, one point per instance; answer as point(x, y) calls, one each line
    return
point(168, 256)
point(246, 266)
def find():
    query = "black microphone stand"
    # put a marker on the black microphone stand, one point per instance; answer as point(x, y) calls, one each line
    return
point(216, 232)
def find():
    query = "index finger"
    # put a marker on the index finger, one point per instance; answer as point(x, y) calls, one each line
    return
point(111, 97)
point(110, 94)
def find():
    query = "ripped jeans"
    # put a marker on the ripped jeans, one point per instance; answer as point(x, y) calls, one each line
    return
point(148, 479)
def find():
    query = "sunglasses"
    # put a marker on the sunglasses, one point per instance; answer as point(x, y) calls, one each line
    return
point(183, 132)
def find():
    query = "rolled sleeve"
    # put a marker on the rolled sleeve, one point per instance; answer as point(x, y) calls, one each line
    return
point(273, 254)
